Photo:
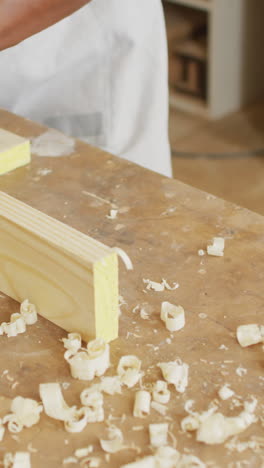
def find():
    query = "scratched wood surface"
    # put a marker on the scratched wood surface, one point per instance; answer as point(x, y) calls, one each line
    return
point(161, 226)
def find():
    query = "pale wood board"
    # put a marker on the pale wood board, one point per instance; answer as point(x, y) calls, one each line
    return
point(14, 151)
point(228, 290)
point(71, 278)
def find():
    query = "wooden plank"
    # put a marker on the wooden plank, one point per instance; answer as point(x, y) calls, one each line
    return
point(70, 277)
point(14, 151)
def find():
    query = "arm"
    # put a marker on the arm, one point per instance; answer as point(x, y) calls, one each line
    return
point(20, 19)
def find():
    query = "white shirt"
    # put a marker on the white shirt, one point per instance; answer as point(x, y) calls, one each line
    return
point(99, 75)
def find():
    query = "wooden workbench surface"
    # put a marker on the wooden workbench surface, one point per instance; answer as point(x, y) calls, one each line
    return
point(162, 225)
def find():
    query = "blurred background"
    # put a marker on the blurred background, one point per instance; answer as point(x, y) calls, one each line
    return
point(216, 78)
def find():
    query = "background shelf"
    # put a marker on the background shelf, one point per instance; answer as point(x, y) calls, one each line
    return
point(234, 65)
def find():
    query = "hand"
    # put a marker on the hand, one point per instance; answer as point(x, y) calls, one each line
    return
point(20, 19)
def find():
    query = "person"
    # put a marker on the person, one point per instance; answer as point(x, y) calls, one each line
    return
point(96, 70)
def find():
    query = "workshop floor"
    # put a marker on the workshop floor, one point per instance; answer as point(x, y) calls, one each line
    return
point(236, 174)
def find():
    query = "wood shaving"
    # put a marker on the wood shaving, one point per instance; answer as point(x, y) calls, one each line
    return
point(160, 392)
point(241, 371)
point(167, 457)
point(137, 428)
point(176, 373)
point(73, 342)
point(123, 255)
point(28, 312)
point(83, 452)
point(86, 364)
point(129, 370)
point(142, 404)
point(215, 428)
point(158, 434)
point(225, 392)
point(223, 347)
point(173, 316)
point(90, 462)
point(217, 247)
point(54, 403)
point(256, 444)
point(99, 199)
point(201, 253)
point(159, 287)
point(159, 407)
point(248, 335)
point(69, 460)
point(18, 460)
point(112, 215)
point(115, 440)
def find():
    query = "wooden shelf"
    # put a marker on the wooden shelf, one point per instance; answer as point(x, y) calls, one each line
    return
point(235, 73)
point(199, 4)
point(187, 103)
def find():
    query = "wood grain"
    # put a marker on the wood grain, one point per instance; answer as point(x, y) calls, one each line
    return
point(70, 277)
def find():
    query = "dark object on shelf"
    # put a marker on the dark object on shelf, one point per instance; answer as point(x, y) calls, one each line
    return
point(186, 34)
point(191, 59)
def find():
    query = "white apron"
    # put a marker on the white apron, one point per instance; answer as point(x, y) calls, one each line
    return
point(99, 75)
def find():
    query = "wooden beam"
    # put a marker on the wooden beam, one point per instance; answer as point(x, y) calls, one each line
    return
point(70, 277)
point(14, 151)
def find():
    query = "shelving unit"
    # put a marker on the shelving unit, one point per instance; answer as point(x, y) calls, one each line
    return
point(235, 61)
point(201, 4)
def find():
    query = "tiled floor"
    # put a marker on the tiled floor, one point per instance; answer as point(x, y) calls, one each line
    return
point(219, 156)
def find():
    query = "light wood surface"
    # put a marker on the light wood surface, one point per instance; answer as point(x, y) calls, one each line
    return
point(14, 151)
point(71, 278)
point(161, 226)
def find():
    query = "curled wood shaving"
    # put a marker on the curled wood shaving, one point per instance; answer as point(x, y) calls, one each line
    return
point(159, 287)
point(167, 457)
point(2, 430)
point(112, 215)
point(128, 370)
point(111, 385)
point(241, 371)
point(176, 373)
point(18, 321)
point(83, 452)
point(90, 462)
point(28, 312)
point(123, 255)
point(115, 440)
point(93, 401)
point(142, 404)
point(73, 342)
point(255, 443)
point(225, 392)
point(248, 335)
point(159, 407)
point(158, 434)
point(18, 460)
point(54, 403)
point(26, 411)
point(160, 392)
point(173, 316)
point(86, 364)
point(217, 247)
point(215, 428)
point(77, 421)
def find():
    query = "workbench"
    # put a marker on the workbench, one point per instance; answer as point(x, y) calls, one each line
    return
point(161, 224)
